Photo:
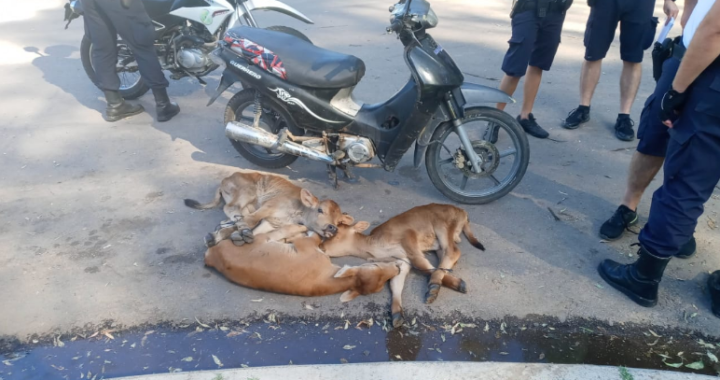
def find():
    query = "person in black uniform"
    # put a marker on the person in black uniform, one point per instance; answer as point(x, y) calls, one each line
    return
point(104, 20)
point(536, 29)
point(691, 109)
point(654, 138)
point(636, 30)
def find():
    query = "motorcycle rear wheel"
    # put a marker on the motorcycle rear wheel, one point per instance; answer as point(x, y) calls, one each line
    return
point(241, 108)
point(133, 89)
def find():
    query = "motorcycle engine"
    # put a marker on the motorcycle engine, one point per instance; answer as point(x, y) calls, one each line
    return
point(193, 60)
point(358, 149)
point(191, 53)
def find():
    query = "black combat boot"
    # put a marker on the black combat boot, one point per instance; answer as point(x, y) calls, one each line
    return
point(165, 108)
point(639, 280)
point(118, 108)
point(714, 288)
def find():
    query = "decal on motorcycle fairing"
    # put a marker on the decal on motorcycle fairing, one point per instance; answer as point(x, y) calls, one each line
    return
point(287, 98)
point(205, 17)
point(245, 70)
point(257, 54)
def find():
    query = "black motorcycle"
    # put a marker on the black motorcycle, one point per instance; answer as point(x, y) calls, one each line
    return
point(186, 31)
point(297, 101)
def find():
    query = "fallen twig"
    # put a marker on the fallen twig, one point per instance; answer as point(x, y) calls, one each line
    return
point(557, 218)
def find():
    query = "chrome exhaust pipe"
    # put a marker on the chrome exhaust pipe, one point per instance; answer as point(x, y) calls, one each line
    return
point(257, 136)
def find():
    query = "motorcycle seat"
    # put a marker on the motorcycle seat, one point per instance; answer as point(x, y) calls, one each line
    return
point(305, 64)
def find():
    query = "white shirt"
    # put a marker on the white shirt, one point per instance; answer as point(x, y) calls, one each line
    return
point(698, 14)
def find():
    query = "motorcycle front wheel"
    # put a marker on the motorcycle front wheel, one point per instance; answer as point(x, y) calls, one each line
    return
point(131, 84)
point(497, 138)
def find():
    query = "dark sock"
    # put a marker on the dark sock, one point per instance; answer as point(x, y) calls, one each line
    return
point(623, 116)
point(584, 108)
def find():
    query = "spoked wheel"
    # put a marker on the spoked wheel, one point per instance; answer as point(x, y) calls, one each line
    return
point(497, 139)
point(241, 107)
point(131, 84)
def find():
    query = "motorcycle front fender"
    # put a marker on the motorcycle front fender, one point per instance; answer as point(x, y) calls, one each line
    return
point(479, 94)
point(273, 5)
point(228, 79)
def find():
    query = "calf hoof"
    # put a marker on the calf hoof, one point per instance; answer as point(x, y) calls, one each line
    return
point(398, 320)
point(247, 235)
point(209, 240)
point(432, 293)
point(237, 238)
point(463, 287)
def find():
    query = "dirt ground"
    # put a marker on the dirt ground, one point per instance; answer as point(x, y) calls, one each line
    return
point(93, 228)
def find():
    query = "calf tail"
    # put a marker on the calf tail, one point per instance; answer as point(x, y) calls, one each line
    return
point(471, 238)
point(199, 206)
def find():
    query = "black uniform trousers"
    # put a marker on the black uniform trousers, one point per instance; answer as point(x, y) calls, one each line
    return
point(692, 169)
point(104, 20)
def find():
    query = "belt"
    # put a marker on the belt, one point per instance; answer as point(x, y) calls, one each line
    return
point(532, 5)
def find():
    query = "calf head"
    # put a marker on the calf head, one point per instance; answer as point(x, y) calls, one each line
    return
point(323, 217)
point(369, 278)
point(345, 242)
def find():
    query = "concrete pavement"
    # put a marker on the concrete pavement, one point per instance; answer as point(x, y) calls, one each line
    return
point(427, 370)
point(93, 229)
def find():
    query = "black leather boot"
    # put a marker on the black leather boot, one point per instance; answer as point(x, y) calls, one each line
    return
point(118, 108)
point(714, 288)
point(639, 280)
point(165, 108)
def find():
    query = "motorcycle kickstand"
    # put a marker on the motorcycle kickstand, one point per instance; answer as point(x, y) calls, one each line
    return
point(332, 174)
point(349, 176)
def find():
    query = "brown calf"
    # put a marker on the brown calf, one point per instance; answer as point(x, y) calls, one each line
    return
point(433, 227)
point(300, 268)
point(254, 197)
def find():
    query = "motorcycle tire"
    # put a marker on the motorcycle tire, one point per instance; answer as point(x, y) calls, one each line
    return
point(490, 115)
point(246, 99)
point(290, 31)
point(137, 90)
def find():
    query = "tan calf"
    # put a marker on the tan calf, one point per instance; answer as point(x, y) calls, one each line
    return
point(299, 268)
point(433, 227)
point(254, 197)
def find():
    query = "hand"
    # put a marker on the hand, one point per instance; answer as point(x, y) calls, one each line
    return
point(671, 105)
point(670, 9)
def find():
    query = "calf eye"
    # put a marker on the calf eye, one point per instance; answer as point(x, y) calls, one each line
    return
point(320, 210)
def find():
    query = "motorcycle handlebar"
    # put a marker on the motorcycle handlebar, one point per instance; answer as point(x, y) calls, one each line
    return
point(396, 26)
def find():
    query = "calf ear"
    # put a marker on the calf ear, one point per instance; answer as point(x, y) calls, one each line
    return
point(346, 271)
point(349, 295)
point(361, 226)
point(308, 199)
point(347, 220)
